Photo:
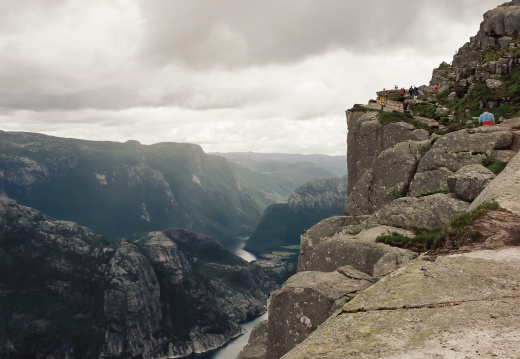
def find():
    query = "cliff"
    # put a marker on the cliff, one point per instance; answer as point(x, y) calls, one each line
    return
point(423, 263)
point(66, 292)
point(282, 223)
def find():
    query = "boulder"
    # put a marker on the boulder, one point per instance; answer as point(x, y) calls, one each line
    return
point(458, 149)
point(388, 178)
point(450, 308)
point(494, 84)
point(429, 181)
point(357, 250)
point(305, 301)
point(469, 181)
point(504, 189)
point(442, 110)
point(427, 212)
point(505, 41)
point(453, 96)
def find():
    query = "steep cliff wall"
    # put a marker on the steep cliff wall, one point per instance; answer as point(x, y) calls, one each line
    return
point(66, 291)
point(415, 181)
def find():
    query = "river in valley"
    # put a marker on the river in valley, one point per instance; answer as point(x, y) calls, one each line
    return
point(231, 349)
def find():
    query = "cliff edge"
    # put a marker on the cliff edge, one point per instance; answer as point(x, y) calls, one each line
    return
point(424, 261)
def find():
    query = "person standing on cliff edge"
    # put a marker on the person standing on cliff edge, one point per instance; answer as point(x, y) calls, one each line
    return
point(486, 119)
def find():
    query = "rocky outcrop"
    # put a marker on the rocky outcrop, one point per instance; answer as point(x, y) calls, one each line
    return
point(318, 195)
point(430, 181)
point(498, 31)
point(368, 138)
point(427, 212)
point(410, 313)
point(359, 251)
point(293, 313)
point(170, 294)
point(469, 181)
point(256, 347)
point(131, 305)
point(390, 172)
point(417, 304)
point(504, 189)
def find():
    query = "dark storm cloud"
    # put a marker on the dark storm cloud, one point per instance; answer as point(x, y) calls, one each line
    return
point(246, 32)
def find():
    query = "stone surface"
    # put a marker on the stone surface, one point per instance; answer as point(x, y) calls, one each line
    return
point(367, 138)
point(452, 97)
point(359, 251)
point(256, 347)
point(128, 298)
point(132, 305)
point(429, 181)
point(318, 195)
point(451, 308)
point(305, 301)
point(504, 189)
point(494, 84)
point(458, 149)
point(503, 155)
point(389, 176)
point(427, 212)
point(469, 181)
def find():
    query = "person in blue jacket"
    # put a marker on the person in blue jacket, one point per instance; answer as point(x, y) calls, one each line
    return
point(486, 119)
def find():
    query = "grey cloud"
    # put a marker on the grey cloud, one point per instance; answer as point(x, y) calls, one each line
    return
point(242, 33)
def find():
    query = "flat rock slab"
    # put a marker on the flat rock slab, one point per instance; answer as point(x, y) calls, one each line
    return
point(460, 306)
point(359, 251)
point(428, 212)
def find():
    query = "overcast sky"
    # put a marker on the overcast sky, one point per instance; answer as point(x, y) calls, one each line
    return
point(230, 75)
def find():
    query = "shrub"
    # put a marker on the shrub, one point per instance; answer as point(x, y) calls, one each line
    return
point(449, 236)
point(393, 193)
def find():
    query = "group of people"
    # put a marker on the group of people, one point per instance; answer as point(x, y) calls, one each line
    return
point(383, 97)
point(486, 119)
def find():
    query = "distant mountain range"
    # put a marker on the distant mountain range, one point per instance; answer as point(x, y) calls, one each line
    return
point(127, 189)
point(269, 162)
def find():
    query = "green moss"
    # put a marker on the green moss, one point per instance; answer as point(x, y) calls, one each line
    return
point(423, 110)
point(492, 53)
point(445, 66)
point(425, 240)
point(386, 118)
point(393, 193)
point(458, 225)
point(494, 166)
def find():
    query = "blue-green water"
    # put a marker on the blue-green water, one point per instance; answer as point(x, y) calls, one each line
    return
point(231, 349)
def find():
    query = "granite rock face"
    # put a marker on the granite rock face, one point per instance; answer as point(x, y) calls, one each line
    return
point(169, 294)
point(305, 301)
point(391, 171)
point(359, 251)
point(256, 347)
point(427, 212)
point(430, 181)
point(469, 181)
point(465, 147)
point(318, 194)
point(504, 189)
point(368, 138)
point(410, 313)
